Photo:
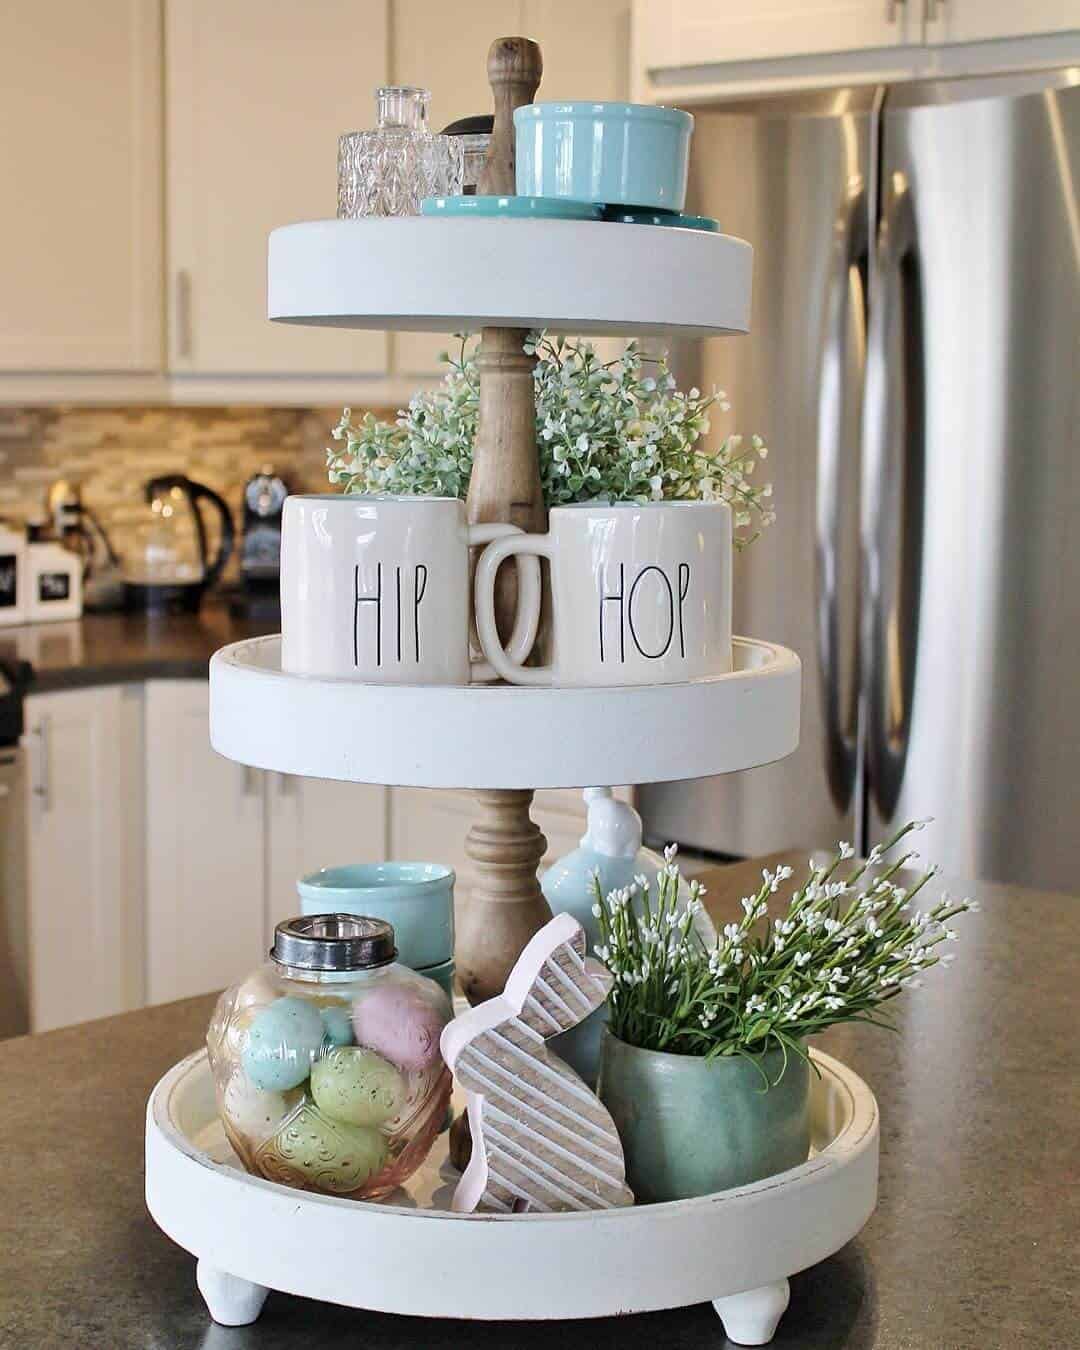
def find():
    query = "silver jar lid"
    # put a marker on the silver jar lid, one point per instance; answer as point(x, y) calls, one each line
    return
point(333, 942)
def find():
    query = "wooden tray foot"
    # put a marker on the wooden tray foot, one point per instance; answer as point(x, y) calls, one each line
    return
point(751, 1318)
point(231, 1301)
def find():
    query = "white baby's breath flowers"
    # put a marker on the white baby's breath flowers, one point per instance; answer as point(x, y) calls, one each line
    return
point(840, 951)
point(609, 431)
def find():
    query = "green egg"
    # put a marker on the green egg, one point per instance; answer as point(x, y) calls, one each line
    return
point(327, 1154)
point(357, 1086)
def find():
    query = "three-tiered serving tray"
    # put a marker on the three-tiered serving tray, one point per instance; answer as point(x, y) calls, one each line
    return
point(736, 1248)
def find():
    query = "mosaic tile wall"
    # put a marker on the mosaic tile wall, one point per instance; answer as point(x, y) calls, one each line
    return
point(112, 452)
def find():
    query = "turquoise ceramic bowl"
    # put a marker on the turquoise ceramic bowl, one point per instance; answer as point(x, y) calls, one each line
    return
point(690, 1128)
point(510, 208)
point(416, 897)
point(628, 154)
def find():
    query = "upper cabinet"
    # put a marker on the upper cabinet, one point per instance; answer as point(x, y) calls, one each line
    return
point(80, 160)
point(257, 94)
point(978, 20)
point(686, 33)
point(694, 51)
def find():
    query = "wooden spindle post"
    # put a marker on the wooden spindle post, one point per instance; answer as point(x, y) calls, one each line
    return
point(505, 905)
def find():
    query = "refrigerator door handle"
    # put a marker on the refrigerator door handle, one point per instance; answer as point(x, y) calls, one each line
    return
point(842, 374)
point(894, 440)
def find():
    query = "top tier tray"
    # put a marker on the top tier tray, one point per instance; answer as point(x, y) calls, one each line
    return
point(583, 277)
point(475, 736)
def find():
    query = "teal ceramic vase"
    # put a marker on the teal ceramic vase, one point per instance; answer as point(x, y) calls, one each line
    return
point(691, 1127)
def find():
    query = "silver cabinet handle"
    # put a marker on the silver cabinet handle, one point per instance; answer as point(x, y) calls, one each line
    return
point(836, 508)
point(183, 314)
point(894, 429)
point(891, 6)
point(41, 784)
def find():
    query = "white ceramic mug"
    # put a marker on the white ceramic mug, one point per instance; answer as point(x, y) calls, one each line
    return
point(377, 589)
point(641, 594)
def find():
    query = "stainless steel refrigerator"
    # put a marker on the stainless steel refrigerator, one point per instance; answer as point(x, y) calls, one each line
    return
point(914, 365)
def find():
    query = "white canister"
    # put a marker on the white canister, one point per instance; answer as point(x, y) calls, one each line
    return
point(54, 583)
point(14, 606)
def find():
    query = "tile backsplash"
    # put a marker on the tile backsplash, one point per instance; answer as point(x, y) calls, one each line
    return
point(111, 452)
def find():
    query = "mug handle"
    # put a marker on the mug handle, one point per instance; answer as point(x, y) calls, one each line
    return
point(508, 663)
point(527, 617)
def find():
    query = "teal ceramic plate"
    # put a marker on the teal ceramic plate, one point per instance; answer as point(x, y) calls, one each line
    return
point(626, 217)
point(510, 208)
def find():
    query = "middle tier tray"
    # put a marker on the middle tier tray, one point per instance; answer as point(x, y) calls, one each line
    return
point(480, 736)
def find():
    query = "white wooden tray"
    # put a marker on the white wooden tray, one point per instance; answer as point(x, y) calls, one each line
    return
point(452, 275)
point(735, 1248)
point(478, 736)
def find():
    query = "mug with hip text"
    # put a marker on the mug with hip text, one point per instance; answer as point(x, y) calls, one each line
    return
point(641, 594)
point(377, 589)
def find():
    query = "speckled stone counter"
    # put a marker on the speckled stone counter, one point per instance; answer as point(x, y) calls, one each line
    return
point(975, 1244)
point(115, 648)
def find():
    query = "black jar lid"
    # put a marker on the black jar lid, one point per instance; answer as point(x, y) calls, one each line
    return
point(333, 942)
point(481, 125)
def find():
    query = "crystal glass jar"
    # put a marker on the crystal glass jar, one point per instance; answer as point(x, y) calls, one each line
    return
point(326, 1060)
point(390, 170)
point(475, 136)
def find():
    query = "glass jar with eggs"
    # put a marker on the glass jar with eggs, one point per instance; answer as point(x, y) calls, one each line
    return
point(326, 1060)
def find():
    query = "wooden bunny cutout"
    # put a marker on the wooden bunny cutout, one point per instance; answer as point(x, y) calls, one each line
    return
point(541, 1140)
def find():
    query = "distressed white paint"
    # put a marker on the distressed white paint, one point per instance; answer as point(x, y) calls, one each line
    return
point(424, 1261)
point(578, 276)
point(477, 737)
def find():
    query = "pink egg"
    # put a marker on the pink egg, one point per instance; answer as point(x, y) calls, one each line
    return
point(401, 1024)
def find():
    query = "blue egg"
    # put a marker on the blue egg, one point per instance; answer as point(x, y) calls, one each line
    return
point(282, 1042)
point(337, 1024)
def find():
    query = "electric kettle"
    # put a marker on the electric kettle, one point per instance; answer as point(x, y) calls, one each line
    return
point(167, 567)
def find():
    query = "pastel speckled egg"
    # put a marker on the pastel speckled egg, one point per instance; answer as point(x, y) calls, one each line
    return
point(282, 1041)
point(326, 1154)
point(337, 1023)
point(402, 1021)
point(357, 1086)
point(253, 1112)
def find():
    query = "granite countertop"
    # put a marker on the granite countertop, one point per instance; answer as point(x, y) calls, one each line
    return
point(974, 1244)
point(114, 648)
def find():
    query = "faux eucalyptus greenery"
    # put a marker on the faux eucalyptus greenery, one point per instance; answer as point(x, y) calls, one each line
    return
point(608, 431)
point(840, 950)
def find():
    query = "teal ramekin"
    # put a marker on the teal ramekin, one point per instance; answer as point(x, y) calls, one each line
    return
point(416, 897)
point(626, 154)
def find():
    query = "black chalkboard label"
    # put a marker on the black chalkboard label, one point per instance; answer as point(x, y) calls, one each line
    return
point(9, 580)
point(53, 586)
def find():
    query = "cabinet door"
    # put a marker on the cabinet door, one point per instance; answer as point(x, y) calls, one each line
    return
point(85, 855)
point(674, 33)
point(444, 49)
point(80, 160)
point(205, 867)
point(258, 92)
point(314, 823)
point(977, 20)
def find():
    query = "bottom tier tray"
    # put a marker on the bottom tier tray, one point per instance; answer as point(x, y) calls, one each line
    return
point(412, 1255)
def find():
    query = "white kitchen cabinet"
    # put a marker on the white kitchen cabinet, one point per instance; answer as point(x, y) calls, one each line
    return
point(205, 859)
point(444, 48)
point(980, 20)
point(686, 33)
point(80, 159)
point(312, 823)
point(85, 825)
point(257, 94)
